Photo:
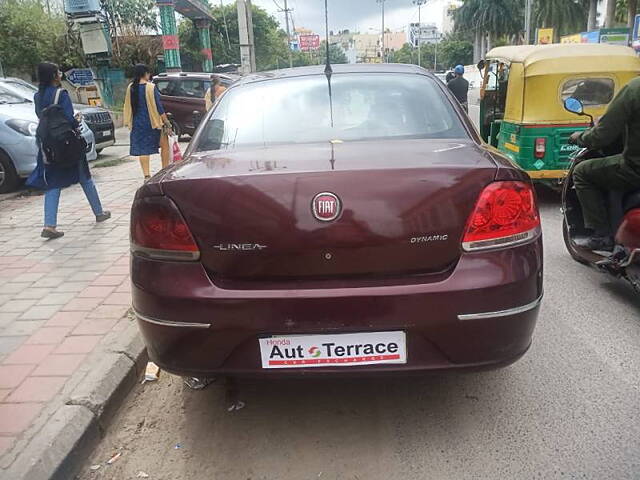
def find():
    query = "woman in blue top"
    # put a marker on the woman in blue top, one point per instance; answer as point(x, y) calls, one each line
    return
point(145, 116)
point(53, 178)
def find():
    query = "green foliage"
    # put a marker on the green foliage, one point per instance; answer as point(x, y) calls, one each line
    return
point(28, 35)
point(451, 51)
point(336, 54)
point(269, 39)
point(130, 17)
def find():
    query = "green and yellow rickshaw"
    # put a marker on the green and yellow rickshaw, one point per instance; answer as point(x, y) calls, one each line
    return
point(522, 94)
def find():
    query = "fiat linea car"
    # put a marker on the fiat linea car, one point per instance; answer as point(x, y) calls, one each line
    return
point(342, 222)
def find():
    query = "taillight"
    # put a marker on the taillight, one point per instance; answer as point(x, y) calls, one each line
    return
point(159, 231)
point(541, 147)
point(505, 214)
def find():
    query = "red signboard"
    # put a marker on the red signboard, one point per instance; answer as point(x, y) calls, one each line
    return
point(170, 42)
point(309, 42)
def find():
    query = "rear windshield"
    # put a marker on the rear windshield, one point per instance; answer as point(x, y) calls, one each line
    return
point(360, 107)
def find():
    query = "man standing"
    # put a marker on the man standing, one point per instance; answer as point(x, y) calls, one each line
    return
point(460, 87)
point(620, 173)
point(214, 92)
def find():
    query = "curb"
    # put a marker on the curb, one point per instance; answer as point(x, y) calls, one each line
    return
point(58, 451)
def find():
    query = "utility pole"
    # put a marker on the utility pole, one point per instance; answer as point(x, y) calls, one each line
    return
point(419, 3)
point(527, 22)
point(383, 50)
point(286, 19)
point(245, 30)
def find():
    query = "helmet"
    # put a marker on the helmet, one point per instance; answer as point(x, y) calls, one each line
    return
point(459, 70)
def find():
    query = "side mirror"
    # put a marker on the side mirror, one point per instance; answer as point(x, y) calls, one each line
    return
point(574, 105)
point(481, 65)
point(197, 117)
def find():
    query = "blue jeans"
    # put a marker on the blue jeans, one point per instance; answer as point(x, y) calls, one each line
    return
point(52, 199)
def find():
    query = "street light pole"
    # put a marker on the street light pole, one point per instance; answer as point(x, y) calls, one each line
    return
point(286, 18)
point(419, 3)
point(383, 50)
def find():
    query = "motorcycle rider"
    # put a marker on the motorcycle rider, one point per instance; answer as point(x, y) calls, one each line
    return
point(459, 86)
point(593, 178)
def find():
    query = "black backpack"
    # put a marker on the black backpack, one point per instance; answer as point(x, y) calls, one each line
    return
point(61, 144)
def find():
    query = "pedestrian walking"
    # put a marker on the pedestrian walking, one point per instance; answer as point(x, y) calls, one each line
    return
point(147, 120)
point(213, 93)
point(459, 86)
point(57, 168)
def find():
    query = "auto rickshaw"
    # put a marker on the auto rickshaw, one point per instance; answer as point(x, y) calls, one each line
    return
point(523, 92)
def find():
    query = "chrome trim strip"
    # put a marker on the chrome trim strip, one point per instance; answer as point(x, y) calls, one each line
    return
point(170, 323)
point(502, 242)
point(501, 313)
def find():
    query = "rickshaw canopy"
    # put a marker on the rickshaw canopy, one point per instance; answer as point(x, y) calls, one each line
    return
point(568, 58)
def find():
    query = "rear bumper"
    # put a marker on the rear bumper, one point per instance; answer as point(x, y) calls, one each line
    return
point(483, 315)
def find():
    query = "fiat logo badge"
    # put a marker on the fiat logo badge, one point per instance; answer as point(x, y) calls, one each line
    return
point(326, 206)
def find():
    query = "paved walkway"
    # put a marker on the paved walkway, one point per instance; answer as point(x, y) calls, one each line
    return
point(61, 299)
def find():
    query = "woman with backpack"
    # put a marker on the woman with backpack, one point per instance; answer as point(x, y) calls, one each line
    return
point(145, 116)
point(55, 170)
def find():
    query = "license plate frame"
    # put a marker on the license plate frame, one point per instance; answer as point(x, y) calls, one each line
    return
point(333, 350)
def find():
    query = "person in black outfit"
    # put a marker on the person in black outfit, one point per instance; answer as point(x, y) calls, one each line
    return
point(460, 87)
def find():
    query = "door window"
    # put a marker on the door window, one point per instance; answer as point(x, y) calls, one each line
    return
point(165, 87)
point(192, 88)
point(590, 91)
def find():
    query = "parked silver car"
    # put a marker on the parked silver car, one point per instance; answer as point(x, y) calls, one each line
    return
point(98, 119)
point(18, 149)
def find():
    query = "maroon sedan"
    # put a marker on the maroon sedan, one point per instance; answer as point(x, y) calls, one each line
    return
point(347, 222)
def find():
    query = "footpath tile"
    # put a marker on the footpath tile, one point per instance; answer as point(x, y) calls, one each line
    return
point(3, 393)
point(71, 287)
point(9, 344)
point(12, 375)
point(40, 312)
point(15, 417)
point(118, 299)
point(29, 354)
point(5, 444)
point(48, 336)
point(33, 293)
point(59, 365)
point(20, 328)
point(82, 304)
point(56, 298)
point(37, 389)
point(99, 326)
point(96, 292)
point(78, 344)
point(109, 311)
point(66, 319)
point(18, 305)
point(109, 280)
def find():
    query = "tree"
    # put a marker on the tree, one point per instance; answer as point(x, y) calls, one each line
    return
point(29, 35)
point(564, 16)
point(453, 51)
point(626, 12)
point(336, 54)
point(130, 17)
point(610, 17)
point(593, 15)
point(269, 39)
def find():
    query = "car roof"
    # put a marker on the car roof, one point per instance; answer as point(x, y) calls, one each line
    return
point(338, 68)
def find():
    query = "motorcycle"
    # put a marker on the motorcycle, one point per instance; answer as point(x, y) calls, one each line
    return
point(624, 212)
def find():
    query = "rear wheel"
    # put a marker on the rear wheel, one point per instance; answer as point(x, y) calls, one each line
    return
point(9, 179)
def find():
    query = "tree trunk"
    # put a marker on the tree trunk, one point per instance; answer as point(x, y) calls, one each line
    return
point(483, 45)
point(632, 9)
point(477, 55)
point(489, 41)
point(593, 15)
point(610, 18)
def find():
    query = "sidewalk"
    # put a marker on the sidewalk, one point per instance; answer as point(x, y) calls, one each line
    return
point(64, 306)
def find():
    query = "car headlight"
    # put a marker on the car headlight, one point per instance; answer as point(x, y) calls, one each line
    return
point(25, 127)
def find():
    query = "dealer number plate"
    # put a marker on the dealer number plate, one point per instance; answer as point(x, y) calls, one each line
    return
point(343, 350)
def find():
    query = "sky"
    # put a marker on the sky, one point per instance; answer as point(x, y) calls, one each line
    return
point(356, 15)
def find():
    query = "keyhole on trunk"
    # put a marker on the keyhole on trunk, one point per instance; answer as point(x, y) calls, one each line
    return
point(328, 256)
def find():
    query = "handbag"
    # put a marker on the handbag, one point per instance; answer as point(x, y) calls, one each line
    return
point(174, 149)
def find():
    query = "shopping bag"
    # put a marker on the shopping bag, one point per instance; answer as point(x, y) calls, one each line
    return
point(174, 149)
